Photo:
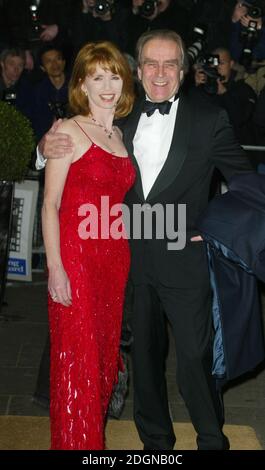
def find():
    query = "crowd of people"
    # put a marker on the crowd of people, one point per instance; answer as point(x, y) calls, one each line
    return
point(39, 43)
point(190, 117)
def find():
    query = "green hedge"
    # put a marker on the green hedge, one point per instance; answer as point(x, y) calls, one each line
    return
point(17, 143)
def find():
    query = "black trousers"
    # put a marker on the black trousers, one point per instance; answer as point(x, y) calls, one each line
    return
point(189, 314)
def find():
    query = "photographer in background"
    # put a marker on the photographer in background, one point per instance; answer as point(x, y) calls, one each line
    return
point(216, 82)
point(51, 93)
point(15, 87)
point(96, 20)
point(215, 16)
point(247, 38)
point(31, 23)
point(157, 14)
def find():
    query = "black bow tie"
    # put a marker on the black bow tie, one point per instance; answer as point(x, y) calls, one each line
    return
point(149, 107)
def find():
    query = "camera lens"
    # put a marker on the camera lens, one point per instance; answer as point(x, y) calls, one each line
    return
point(195, 49)
point(254, 12)
point(102, 7)
point(148, 8)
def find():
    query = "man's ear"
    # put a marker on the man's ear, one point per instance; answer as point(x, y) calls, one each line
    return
point(139, 73)
point(181, 75)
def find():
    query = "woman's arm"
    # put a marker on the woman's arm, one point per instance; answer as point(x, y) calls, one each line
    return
point(55, 176)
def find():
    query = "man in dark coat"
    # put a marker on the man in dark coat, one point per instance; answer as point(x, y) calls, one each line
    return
point(235, 96)
point(175, 140)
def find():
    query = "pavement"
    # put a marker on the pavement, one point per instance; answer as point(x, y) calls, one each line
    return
point(23, 332)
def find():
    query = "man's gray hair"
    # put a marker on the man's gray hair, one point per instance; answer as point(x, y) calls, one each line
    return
point(164, 34)
point(13, 52)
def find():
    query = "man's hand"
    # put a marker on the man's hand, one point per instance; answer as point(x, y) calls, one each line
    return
point(49, 32)
point(135, 6)
point(198, 238)
point(221, 88)
point(245, 21)
point(200, 77)
point(56, 144)
point(88, 6)
point(239, 12)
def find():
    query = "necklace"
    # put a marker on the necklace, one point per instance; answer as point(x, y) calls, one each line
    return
point(109, 133)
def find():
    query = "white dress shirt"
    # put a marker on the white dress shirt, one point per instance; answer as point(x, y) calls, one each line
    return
point(152, 142)
point(40, 161)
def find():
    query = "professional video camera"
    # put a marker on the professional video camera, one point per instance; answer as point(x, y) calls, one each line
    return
point(208, 65)
point(35, 25)
point(102, 7)
point(58, 109)
point(199, 42)
point(148, 8)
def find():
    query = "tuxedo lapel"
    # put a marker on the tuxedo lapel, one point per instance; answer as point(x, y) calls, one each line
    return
point(128, 136)
point(177, 152)
point(178, 149)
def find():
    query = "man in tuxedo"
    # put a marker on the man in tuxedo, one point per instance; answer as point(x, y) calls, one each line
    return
point(175, 140)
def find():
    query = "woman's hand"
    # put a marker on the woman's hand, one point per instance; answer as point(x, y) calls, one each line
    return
point(59, 286)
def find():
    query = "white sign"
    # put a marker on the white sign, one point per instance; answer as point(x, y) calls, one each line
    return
point(20, 252)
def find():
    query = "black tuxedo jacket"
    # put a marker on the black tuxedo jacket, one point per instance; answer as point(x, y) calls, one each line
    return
point(202, 139)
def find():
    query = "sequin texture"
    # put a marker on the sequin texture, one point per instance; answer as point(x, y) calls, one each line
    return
point(85, 337)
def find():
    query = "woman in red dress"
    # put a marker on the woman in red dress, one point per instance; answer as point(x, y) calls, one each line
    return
point(87, 255)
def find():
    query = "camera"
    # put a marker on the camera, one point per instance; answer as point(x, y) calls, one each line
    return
point(208, 65)
point(199, 41)
point(148, 8)
point(249, 37)
point(35, 25)
point(10, 96)
point(58, 109)
point(102, 7)
point(253, 10)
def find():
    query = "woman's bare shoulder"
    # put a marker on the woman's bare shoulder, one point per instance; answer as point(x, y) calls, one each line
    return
point(69, 126)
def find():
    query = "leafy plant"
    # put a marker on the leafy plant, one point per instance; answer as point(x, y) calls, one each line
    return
point(16, 143)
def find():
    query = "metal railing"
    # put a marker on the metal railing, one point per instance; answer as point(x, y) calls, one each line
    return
point(254, 148)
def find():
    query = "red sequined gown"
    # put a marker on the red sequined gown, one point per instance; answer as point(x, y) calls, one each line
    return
point(85, 337)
